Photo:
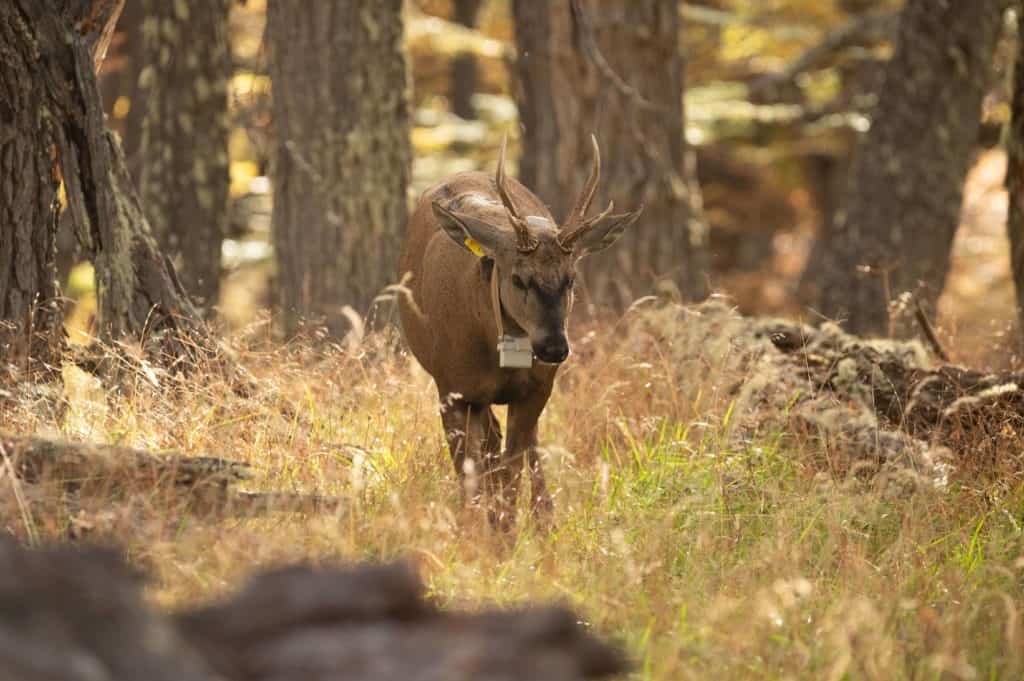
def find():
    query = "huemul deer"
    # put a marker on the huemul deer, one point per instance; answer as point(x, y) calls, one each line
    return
point(492, 278)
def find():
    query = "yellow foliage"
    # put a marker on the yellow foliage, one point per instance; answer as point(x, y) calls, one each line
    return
point(79, 322)
point(122, 105)
point(81, 281)
point(242, 173)
point(245, 84)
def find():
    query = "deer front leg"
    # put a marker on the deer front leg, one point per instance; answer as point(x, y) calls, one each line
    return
point(462, 428)
point(522, 444)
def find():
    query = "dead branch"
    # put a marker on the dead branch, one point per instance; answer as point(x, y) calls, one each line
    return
point(98, 29)
point(929, 331)
point(868, 29)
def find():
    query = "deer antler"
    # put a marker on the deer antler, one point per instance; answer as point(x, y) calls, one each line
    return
point(524, 240)
point(577, 223)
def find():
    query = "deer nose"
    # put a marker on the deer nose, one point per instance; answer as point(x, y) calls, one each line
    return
point(553, 349)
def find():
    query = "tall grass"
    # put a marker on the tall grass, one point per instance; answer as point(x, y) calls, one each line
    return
point(708, 552)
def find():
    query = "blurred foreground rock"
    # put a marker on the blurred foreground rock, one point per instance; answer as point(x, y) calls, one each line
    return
point(78, 615)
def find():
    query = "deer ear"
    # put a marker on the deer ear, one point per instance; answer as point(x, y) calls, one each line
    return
point(476, 236)
point(605, 233)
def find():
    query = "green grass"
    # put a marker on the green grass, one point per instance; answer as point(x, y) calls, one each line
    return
point(707, 554)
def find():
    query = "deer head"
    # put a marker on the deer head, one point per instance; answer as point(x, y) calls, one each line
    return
point(535, 258)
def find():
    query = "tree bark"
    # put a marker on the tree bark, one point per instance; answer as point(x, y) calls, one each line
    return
point(1015, 170)
point(463, 81)
point(342, 167)
point(905, 187)
point(184, 178)
point(826, 176)
point(30, 318)
point(137, 290)
point(614, 69)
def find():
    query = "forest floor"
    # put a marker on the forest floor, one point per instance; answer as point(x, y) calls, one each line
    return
point(711, 543)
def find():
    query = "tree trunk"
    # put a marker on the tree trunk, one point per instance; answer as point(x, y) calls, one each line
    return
point(614, 69)
point(30, 318)
point(184, 176)
point(825, 175)
point(341, 120)
point(1015, 171)
point(137, 289)
point(462, 85)
point(905, 186)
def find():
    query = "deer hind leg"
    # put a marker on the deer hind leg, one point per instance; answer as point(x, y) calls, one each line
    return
point(501, 483)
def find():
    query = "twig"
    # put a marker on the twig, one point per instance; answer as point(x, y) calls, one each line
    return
point(929, 331)
point(99, 28)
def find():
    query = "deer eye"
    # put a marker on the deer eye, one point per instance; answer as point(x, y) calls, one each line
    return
point(518, 283)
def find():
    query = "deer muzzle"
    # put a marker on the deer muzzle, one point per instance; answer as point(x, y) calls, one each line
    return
point(551, 348)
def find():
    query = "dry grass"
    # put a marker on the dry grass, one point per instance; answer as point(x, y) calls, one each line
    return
point(709, 553)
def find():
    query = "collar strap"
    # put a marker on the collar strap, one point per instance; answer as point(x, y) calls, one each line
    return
point(496, 300)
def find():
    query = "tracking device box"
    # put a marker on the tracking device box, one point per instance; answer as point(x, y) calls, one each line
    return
point(514, 352)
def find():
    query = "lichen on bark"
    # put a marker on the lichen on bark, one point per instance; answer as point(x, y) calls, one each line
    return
point(58, 104)
point(184, 177)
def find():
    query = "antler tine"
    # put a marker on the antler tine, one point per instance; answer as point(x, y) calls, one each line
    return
point(577, 223)
point(525, 241)
point(586, 197)
point(566, 241)
point(499, 180)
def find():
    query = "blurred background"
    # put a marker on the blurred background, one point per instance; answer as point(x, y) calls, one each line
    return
point(735, 121)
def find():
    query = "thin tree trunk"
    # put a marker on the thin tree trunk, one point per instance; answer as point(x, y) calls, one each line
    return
point(1015, 170)
point(184, 177)
point(905, 187)
point(615, 69)
point(137, 289)
point(341, 173)
point(463, 81)
point(826, 176)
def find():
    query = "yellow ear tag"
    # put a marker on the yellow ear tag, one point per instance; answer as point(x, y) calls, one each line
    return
point(474, 247)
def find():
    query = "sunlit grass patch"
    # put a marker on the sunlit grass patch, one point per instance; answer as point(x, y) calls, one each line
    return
point(709, 547)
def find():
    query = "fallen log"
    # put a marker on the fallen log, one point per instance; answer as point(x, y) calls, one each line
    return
point(206, 484)
point(912, 394)
point(79, 463)
point(886, 404)
point(79, 615)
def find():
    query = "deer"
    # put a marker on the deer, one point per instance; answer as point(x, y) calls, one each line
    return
point(490, 285)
